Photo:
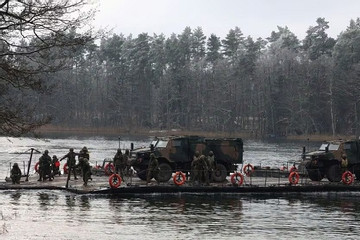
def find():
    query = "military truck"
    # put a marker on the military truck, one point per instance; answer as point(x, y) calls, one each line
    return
point(326, 162)
point(175, 153)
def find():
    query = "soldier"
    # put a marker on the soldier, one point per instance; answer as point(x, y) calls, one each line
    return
point(153, 169)
point(211, 165)
point(344, 162)
point(45, 166)
point(127, 162)
point(15, 174)
point(55, 165)
point(194, 175)
point(203, 170)
point(71, 161)
point(83, 155)
point(119, 163)
point(86, 171)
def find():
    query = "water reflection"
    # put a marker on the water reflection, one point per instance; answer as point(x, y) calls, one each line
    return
point(84, 203)
point(16, 197)
point(70, 201)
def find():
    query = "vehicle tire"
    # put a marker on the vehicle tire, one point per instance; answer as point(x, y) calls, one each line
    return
point(315, 174)
point(165, 172)
point(220, 173)
point(142, 174)
point(333, 173)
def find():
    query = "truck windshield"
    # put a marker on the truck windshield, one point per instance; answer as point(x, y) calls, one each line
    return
point(331, 146)
point(154, 142)
point(161, 143)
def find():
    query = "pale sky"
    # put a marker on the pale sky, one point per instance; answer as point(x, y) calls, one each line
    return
point(257, 18)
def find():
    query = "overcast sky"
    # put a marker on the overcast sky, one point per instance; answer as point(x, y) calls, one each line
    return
point(257, 18)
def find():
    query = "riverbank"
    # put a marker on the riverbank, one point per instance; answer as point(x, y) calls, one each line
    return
point(61, 131)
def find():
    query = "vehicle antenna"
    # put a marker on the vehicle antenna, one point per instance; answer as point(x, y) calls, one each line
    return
point(119, 142)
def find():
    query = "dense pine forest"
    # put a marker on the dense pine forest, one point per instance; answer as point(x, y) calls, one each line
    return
point(279, 85)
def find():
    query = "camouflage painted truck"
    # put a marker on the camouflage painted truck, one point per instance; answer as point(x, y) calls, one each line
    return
point(176, 154)
point(326, 162)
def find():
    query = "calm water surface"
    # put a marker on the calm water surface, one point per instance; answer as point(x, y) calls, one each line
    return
point(61, 215)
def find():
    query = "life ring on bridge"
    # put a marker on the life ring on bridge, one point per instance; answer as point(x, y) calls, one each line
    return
point(347, 178)
point(294, 177)
point(179, 178)
point(115, 180)
point(109, 169)
point(248, 169)
point(36, 167)
point(66, 168)
point(234, 179)
point(293, 169)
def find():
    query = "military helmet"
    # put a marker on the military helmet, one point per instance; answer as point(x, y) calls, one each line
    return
point(211, 153)
point(119, 150)
point(197, 153)
point(54, 156)
point(152, 155)
point(71, 149)
point(84, 149)
point(46, 151)
point(343, 155)
point(16, 165)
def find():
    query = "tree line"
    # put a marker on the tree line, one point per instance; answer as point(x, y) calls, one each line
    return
point(275, 86)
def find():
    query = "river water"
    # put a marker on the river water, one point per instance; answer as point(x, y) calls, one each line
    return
point(45, 214)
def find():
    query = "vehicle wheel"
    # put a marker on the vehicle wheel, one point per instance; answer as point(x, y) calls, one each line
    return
point(219, 173)
point(333, 173)
point(142, 174)
point(165, 172)
point(315, 174)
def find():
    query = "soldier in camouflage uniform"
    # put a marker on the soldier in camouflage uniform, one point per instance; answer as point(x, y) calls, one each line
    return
point(15, 174)
point(83, 155)
point(203, 170)
point(194, 175)
point(211, 165)
point(153, 168)
point(71, 161)
point(86, 171)
point(45, 166)
point(119, 163)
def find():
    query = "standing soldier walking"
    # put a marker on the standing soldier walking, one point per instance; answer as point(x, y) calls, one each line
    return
point(71, 161)
point(153, 169)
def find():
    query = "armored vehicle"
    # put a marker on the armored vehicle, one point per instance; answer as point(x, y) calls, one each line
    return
point(326, 162)
point(176, 154)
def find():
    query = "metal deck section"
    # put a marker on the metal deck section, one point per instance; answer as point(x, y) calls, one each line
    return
point(134, 186)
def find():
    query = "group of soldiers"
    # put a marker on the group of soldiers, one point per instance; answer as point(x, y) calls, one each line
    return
point(50, 167)
point(202, 168)
point(121, 162)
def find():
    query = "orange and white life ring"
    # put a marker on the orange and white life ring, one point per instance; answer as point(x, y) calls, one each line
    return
point(115, 181)
point(237, 179)
point(36, 167)
point(179, 178)
point(248, 169)
point(294, 177)
point(66, 168)
point(109, 169)
point(347, 177)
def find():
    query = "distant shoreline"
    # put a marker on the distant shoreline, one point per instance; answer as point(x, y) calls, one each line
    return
point(61, 131)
